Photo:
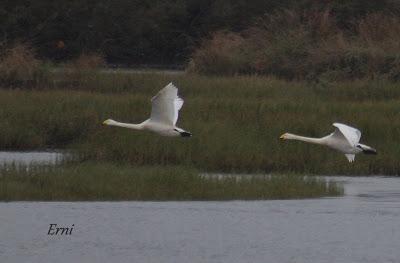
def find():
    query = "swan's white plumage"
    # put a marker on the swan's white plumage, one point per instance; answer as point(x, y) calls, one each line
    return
point(178, 103)
point(352, 135)
point(165, 105)
point(344, 139)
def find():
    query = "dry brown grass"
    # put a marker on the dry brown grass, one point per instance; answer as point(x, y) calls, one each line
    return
point(379, 29)
point(307, 45)
point(18, 65)
point(223, 52)
point(88, 62)
point(83, 70)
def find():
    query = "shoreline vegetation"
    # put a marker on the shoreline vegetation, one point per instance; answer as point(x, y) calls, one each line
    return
point(110, 182)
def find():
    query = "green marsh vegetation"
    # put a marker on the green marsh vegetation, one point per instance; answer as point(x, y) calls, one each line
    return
point(94, 182)
point(119, 164)
point(236, 122)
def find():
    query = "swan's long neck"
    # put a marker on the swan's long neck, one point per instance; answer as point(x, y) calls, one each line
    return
point(139, 126)
point(321, 141)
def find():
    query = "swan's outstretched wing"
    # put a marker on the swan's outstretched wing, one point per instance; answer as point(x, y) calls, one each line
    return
point(178, 103)
point(350, 157)
point(352, 135)
point(165, 105)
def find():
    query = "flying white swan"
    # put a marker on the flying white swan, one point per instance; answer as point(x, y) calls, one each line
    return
point(165, 107)
point(344, 139)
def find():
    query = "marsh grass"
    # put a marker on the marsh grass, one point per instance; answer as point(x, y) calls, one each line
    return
point(95, 182)
point(236, 122)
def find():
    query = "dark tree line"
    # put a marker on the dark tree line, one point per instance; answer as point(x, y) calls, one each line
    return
point(147, 31)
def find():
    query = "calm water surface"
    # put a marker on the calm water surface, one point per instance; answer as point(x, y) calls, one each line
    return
point(31, 158)
point(363, 226)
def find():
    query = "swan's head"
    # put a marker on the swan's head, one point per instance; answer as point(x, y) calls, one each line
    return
point(109, 122)
point(287, 136)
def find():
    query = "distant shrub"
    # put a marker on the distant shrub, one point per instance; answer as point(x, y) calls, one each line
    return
point(88, 62)
point(84, 70)
point(308, 45)
point(224, 52)
point(19, 66)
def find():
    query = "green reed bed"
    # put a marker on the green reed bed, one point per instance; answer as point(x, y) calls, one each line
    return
point(236, 122)
point(95, 182)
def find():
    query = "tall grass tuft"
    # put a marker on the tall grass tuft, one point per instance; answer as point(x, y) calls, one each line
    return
point(93, 182)
point(224, 52)
point(83, 71)
point(19, 66)
point(88, 61)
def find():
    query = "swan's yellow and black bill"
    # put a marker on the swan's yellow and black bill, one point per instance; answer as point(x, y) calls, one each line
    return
point(282, 137)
